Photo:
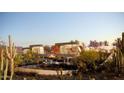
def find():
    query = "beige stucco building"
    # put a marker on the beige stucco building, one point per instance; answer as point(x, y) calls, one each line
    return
point(37, 49)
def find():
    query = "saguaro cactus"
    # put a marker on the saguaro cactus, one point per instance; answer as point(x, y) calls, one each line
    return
point(123, 43)
point(122, 59)
point(119, 57)
point(1, 56)
point(1, 63)
point(3, 72)
point(11, 52)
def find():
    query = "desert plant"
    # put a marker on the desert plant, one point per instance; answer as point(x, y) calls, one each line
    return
point(1, 55)
point(6, 69)
point(118, 57)
point(88, 60)
point(10, 53)
point(36, 58)
point(60, 73)
point(89, 56)
point(18, 60)
point(28, 57)
point(1, 63)
point(4, 64)
point(119, 60)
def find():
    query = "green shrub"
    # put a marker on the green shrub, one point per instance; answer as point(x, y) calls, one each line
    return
point(89, 56)
point(18, 59)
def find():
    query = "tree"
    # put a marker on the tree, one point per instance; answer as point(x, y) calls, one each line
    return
point(47, 49)
point(94, 43)
point(106, 43)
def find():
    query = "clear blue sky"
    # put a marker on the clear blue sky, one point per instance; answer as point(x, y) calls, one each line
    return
point(49, 28)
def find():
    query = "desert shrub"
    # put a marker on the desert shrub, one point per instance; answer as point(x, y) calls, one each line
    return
point(89, 60)
point(89, 56)
point(18, 59)
point(28, 57)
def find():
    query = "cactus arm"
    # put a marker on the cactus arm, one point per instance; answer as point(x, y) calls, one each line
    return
point(12, 69)
point(7, 53)
point(1, 60)
point(14, 51)
point(10, 46)
point(6, 70)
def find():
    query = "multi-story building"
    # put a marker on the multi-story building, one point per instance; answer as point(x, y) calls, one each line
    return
point(34, 48)
point(37, 49)
point(68, 48)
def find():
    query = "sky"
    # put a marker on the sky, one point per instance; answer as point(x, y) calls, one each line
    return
point(48, 28)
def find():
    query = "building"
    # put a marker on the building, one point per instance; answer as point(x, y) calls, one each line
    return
point(34, 48)
point(19, 50)
point(68, 48)
point(37, 49)
point(25, 50)
point(47, 49)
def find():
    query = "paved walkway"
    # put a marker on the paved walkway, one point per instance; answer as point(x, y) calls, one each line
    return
point(40, 71)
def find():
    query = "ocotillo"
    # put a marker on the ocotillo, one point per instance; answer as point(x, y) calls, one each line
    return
point(11, 52)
